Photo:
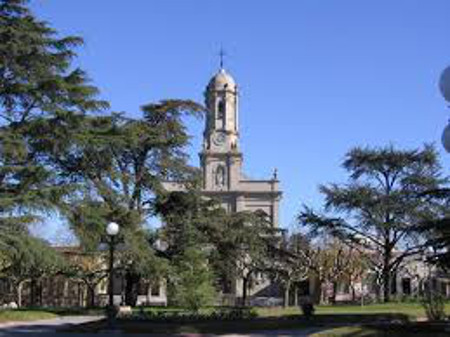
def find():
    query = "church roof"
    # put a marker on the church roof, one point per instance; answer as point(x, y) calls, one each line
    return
point(222, 80)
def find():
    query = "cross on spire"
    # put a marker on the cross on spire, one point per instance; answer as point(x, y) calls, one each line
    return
point(222, 56)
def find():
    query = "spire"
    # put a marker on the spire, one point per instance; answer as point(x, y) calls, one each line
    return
point(222, 56)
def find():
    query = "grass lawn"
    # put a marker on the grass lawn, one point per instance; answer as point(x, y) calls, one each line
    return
point(24, 315)
point(412, 310)
point(33, 314)
point(372, 321)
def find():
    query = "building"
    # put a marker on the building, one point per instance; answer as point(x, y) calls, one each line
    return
point(221, 162)
point(221, 158)
point(88, 287)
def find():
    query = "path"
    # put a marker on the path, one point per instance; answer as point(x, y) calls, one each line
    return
point(48, 328)
point(44, 327)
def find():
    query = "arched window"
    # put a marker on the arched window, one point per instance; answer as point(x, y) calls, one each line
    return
point(221, 109)
point(220, 176)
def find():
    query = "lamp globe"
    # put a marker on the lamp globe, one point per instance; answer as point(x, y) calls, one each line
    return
point(112, 229)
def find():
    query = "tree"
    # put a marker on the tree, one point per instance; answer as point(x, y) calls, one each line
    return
point(340, 264)
point(320, 262)
point(37, 84)
point(187, 220)
point(192, 229)
point(437, 230)
point(382, 204)
point(192, 281)
point(289, 265)
point(119, 165)
point(28, 259)
point(90, 268)
point(248, 244)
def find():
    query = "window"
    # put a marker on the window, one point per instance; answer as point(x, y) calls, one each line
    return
point(303, 288)
point(221, 109)
point(155, 290)
point(406, 286)
point(344, 287)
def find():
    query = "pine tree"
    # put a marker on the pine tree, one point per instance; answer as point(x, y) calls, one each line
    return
point(192, 280)
point(38, 86)
point(119, 165)
point(381, 205)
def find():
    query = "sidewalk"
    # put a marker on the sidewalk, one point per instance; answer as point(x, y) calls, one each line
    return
point(43, 326)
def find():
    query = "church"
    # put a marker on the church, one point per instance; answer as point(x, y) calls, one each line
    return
point(221, 158)
point(221, 162)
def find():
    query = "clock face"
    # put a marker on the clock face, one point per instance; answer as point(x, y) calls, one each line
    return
point(219, 138)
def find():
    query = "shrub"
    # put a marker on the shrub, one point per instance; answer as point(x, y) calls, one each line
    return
point(307, 309)
point(434, 305)
point(218, 314)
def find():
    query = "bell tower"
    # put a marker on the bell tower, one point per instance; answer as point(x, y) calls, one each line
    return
point(221, 158)
point(221, 100)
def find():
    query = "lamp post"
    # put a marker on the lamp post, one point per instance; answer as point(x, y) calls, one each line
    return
point(444, 87)
point(111, 230)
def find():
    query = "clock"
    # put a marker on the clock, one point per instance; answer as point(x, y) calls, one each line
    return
point(219, 138)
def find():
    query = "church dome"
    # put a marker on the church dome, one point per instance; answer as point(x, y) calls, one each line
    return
point(222, 80)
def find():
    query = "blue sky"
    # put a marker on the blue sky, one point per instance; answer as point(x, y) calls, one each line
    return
point(317, 77)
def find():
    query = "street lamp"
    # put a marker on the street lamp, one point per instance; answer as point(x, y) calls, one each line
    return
point(444, 87)
point(111, 230)
point(446, 137)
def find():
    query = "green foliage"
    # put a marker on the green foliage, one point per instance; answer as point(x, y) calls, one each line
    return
point(119, 165)
point(191, 284)
point(38, 88)
point(437, 231)
point(28, 257)
point(37, 76)
point(189, 220)
point(381, 205)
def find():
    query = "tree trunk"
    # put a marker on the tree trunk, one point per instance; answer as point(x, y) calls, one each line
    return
point(386, 277)
point(33, 293)
point(286, 294)
point(317, 291)
point(19, 289)
point(131, 288)
point(91, 295)
point(244, 291)
point(333, 295)
point(323, 293)
point(296, 295)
